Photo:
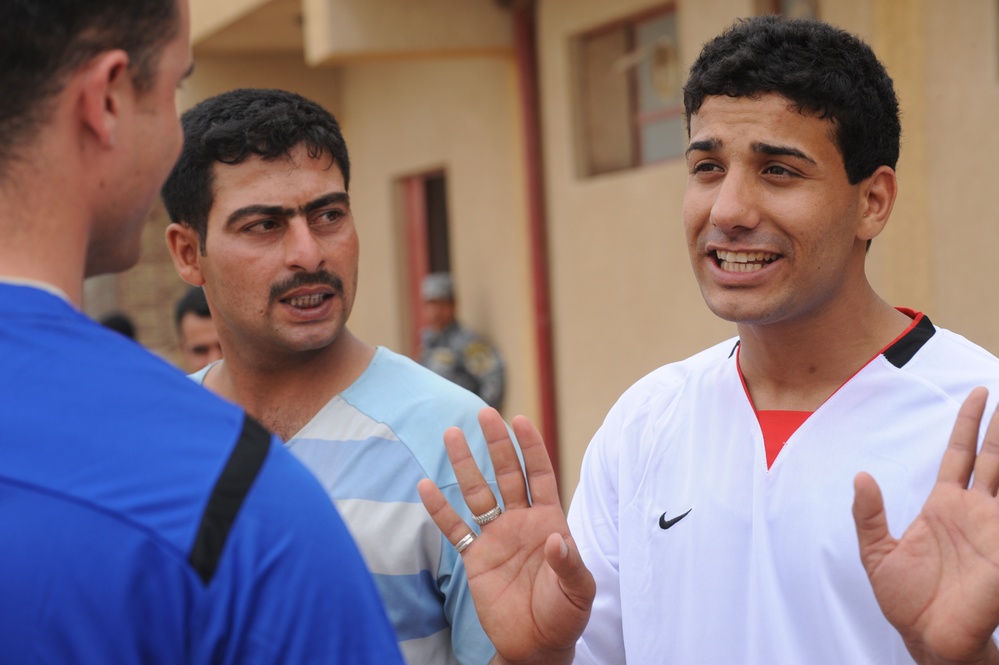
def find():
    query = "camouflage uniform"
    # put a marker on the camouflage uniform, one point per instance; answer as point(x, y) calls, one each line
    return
point(461, 356)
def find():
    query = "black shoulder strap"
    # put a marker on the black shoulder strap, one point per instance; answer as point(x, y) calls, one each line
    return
point(231, 488)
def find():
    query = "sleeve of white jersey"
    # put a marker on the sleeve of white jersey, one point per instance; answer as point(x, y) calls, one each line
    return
point(593, 522)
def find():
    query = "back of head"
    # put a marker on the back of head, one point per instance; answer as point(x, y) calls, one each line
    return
point(120, 323)
point(43, 41)
point(192, 302)
point(819, 68)
point(235, 126)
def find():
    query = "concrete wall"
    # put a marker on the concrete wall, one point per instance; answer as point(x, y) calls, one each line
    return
point(351, 29)
point(962, 105)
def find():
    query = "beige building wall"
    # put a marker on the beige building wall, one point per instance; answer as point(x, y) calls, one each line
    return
point(345, 30)
point(962, 106)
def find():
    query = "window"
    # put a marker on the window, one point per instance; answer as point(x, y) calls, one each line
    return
point(629, 93)
point(789, 8)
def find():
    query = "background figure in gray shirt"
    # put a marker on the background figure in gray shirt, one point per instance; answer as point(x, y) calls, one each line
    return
point(454, 351)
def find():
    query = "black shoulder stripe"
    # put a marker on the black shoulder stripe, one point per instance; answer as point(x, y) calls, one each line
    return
point(227, 497)
point(904, 349)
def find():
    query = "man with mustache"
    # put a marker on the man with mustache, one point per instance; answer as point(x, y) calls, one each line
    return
point(262, 220)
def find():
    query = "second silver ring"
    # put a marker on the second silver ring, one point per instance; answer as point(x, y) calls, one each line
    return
point(488, 516)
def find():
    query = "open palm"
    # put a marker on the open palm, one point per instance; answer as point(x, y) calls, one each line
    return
point(939, 584)
point(530, 588)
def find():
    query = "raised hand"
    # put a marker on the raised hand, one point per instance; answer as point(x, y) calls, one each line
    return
point(530, 587)
point(939, 584)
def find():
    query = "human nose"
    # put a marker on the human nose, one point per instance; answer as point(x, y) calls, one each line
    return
point(302, 248)
point(734, 207)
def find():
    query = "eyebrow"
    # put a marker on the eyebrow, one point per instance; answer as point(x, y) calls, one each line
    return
point(781, 150)
point(708, 145)
point(257, 211)
point(279, 211)
point(328, 200)
point(704, 146)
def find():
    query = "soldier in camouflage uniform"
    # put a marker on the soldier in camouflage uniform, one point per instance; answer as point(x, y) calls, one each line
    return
point(452, 350)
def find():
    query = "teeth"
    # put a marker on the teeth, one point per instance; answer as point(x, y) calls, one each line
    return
point(744, 261)
point(306, 301)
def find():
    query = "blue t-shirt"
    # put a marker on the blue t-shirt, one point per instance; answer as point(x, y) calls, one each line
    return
point(146, 521)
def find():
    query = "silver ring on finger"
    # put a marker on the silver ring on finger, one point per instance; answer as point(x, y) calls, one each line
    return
point(463, 544)
point(488, 516)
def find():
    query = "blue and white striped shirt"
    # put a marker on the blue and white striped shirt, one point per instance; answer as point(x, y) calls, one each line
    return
point(369, 446)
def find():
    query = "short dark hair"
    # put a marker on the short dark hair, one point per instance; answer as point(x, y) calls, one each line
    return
point(192, 302)
point(819, 68)
point(120, 323)
point(236, 125)
point(43, 41)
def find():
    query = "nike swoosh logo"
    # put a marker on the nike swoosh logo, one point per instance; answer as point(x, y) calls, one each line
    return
point(665, 523)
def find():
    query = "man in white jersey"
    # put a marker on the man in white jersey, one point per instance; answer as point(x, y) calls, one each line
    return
point(262, 220)
point(712, 519)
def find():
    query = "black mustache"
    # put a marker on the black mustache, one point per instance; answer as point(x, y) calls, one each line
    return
point(298, 280)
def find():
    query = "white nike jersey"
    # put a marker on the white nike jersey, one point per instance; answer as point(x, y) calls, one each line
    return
point(704, 556)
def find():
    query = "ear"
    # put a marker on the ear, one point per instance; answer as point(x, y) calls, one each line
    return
point(185, 250)
point(878, 194)
point(104, 82)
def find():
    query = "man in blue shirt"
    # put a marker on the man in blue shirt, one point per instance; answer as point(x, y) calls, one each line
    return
point(143, 520)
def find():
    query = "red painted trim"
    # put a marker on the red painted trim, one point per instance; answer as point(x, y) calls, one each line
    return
point(527, 80)
point(415, 206)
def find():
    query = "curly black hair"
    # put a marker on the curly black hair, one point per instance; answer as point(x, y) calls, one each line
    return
point(236, 125)
point(821, 69)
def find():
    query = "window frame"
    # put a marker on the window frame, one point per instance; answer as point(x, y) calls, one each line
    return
point(638, 120)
